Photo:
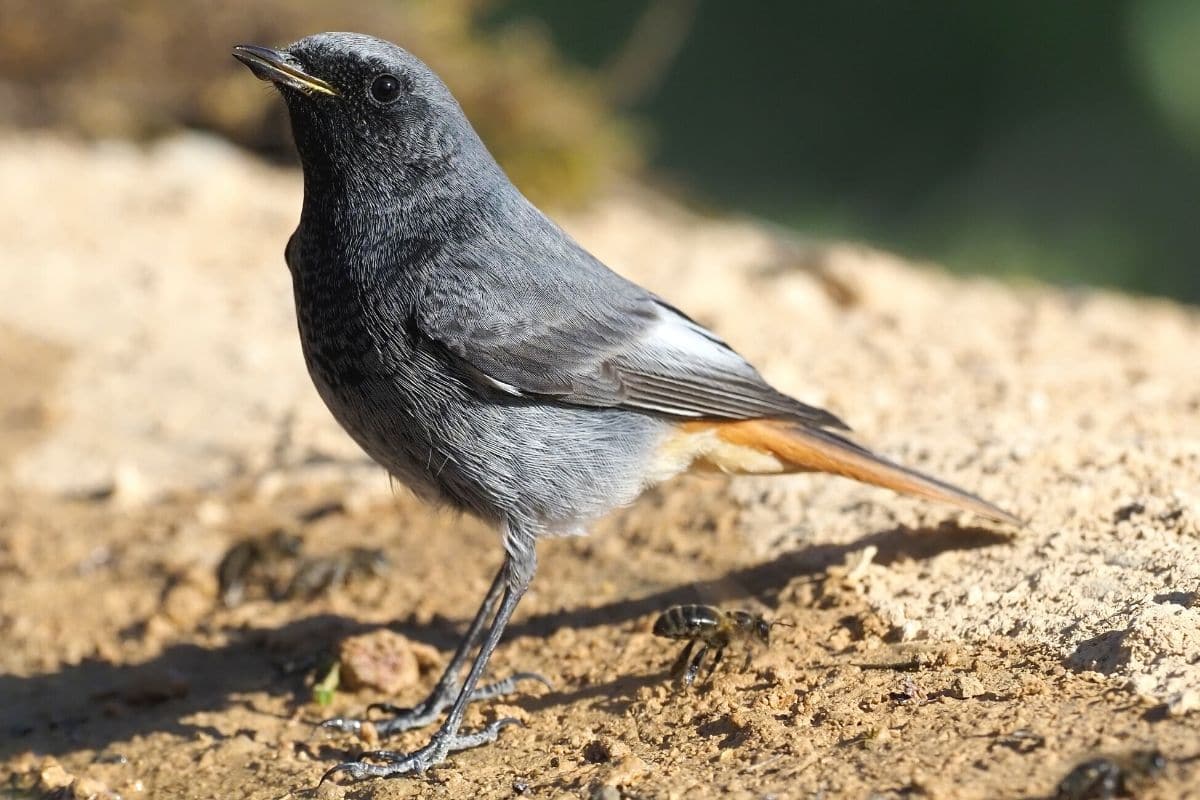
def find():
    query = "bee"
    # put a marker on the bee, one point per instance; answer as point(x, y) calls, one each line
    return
point(711, 628)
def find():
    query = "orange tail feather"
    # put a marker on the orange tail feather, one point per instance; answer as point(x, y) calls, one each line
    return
point(803, 449)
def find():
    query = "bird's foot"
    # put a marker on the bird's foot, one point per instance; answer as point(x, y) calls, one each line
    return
point(424, 713)
point(391, 763)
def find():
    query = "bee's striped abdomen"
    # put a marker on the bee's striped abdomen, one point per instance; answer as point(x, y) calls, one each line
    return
point(687, 622)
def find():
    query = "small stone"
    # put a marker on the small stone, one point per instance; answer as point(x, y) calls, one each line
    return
point(53, 776)
point(382, 660)
point(966, 686)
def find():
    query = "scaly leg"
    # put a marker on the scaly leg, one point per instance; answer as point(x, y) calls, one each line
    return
point(514, 578)
point(444, 693)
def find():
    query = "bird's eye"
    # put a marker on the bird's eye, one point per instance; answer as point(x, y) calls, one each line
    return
point(386, 88)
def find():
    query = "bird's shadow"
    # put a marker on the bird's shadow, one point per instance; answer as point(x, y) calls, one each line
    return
point(94, 704)
point(766, 579)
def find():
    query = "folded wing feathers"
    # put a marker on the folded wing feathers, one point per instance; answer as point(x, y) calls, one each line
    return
point(682, 366)
point(662, 362)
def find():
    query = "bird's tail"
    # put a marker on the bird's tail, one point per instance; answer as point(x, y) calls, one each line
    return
point(797, 448)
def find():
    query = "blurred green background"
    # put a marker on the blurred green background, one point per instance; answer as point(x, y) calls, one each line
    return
point(1059, 140)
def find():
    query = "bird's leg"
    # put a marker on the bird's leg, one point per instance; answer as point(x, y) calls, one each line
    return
point(694, 668)
point(444, 693)
point(514, 579)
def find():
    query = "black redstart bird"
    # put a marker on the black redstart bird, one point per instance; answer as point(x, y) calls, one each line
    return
point(489, 362)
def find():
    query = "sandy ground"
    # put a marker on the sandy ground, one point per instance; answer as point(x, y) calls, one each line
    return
point(154, 411)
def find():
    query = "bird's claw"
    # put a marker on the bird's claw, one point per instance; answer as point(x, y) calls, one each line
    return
point(395, 763)
point(404, 718)
point(342, 724)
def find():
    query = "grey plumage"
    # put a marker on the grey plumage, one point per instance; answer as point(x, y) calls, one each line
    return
point(462, 338)
point(469, 345)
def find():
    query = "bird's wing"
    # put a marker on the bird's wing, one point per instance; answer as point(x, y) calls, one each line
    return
point(589, 337)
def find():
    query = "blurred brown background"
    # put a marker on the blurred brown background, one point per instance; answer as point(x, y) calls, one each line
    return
point(139, 69)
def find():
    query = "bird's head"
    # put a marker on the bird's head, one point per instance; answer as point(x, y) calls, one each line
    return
point(363, 109)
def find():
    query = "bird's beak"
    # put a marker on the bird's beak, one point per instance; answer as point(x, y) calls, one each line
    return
point(272, 65)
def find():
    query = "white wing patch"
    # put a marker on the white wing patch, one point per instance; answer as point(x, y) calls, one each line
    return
point(681, 335)
point(677, 346)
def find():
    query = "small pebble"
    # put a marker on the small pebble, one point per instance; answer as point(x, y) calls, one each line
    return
point(53, 776)
point(383, 660)
point(966, 686)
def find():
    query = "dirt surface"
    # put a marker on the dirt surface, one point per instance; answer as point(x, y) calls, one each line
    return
point(154, 412)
